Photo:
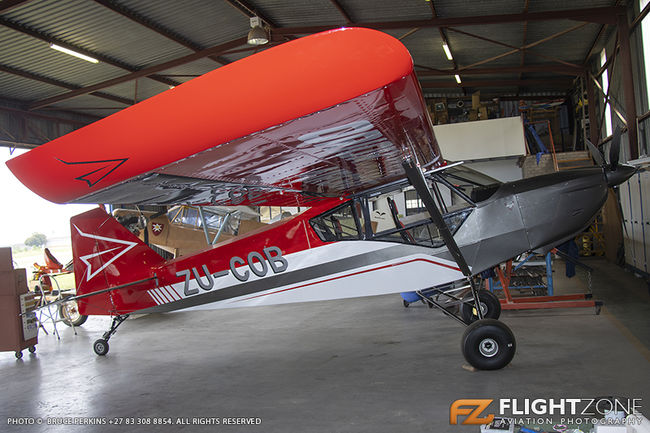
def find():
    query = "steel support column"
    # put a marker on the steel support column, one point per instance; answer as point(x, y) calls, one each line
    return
point(628, 83)
point(591, 105)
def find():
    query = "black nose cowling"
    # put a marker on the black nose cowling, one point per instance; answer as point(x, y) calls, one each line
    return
point(622, 173)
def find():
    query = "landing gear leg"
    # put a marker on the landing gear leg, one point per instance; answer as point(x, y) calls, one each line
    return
point(101, 346)
point(487, 343)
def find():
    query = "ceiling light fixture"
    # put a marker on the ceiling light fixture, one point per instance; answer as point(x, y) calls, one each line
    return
point(447, 51)
point(257, 35)
point(457, 78)
point(73, 53)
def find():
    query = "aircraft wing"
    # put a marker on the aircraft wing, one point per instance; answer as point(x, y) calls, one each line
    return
point(322, 116)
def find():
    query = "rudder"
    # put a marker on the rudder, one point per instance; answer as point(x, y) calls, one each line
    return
point(105, 255)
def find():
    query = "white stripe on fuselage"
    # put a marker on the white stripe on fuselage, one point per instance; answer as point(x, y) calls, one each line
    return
point(413, 272)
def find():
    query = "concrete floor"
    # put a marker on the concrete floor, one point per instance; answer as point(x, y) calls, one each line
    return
point(361, 365)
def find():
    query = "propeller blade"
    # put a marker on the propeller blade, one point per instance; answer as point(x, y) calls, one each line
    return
point(615, 148)
point(595, 153)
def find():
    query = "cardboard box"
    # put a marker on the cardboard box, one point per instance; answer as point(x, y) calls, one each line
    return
point(6, 261)
point(476, 100)
point(13, 282)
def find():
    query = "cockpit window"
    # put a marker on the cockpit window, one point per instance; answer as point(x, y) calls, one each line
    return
point(424, 232)
point(344, 222)
point(337, 225)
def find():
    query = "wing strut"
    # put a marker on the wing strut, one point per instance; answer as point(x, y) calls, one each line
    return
point(418, 181)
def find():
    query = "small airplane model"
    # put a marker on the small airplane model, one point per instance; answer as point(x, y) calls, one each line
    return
point(333, 122)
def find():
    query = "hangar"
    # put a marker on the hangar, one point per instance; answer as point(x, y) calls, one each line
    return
point(329, 121)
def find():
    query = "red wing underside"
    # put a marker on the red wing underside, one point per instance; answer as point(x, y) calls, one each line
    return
point(330, 115)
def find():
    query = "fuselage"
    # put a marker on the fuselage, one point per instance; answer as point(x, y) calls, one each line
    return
point(328, 252)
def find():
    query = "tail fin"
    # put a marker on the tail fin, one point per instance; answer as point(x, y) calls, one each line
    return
point(105, 255)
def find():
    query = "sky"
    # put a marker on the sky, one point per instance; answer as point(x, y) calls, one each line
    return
point(22, 212)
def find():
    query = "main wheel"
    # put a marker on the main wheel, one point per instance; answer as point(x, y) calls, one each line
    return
point(488, 344)
point(69, 314)
point(32, 349)
point(100, 347)
point(19, 355)
point(489, 303)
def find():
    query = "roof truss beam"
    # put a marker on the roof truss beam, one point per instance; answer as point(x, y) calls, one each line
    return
point(339, 7)
point(218, 49)
point(555, 82)
point(603, 15)
point(546, 67)
point(156, 27)
point(525, 47)
point(58, 83)
point(8, 5)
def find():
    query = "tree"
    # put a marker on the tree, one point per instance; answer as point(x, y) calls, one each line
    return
point(36, 240)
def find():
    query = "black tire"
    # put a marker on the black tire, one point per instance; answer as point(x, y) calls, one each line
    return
point(19, 355)
point(490, 306)
point(488, 344)
point(32, 349)
point(69, 314)
point(405, 303)
point(100, 347)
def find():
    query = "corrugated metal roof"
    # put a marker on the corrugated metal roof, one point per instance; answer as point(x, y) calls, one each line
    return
point(387, 10)
point(33, 55)
point(206, 23)
point(24, 89)
point(198, 67)
point(288, 13)
point(93, 27)
point(90, 105)
point(145, 89)
point(571, 47)
point(469, 50)
point(558, 5)
point(464, 8)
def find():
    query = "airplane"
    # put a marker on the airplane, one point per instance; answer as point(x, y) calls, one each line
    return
point(332, 122)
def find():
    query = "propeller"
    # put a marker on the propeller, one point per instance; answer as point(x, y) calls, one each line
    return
point(595, 153)
point(613, 177)
point(614, 151)
point(615, 148)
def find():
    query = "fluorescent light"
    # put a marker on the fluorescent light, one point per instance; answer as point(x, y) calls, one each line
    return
point(457, 78)
point(447, 51)
point(73, 53)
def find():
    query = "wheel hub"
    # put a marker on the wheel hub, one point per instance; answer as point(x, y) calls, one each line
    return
point(488, 347)
point(483, 307)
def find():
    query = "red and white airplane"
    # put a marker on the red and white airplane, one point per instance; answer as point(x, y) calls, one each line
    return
point(331, 122)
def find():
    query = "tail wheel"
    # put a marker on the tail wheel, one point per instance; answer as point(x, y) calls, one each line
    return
point(488, 344)
point(489, 303)
point(69, 314)
point(100, 347)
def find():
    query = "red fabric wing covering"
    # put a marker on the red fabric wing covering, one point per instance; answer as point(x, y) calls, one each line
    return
point(320, 116)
